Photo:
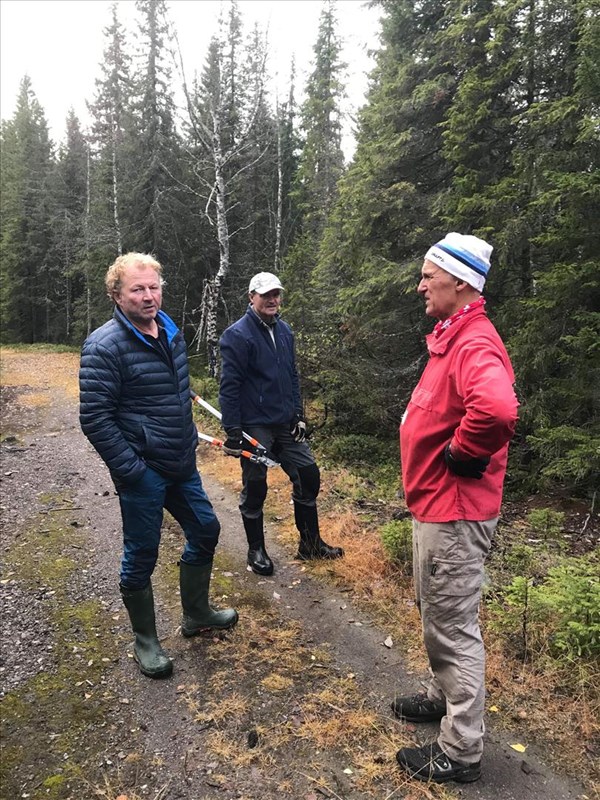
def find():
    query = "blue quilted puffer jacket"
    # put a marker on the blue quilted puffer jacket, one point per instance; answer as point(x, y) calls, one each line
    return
point(135, 407)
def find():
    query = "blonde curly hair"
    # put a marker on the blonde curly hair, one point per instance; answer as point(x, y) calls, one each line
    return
point(114, 275)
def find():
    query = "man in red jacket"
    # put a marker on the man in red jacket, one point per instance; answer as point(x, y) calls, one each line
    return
point(454, 440)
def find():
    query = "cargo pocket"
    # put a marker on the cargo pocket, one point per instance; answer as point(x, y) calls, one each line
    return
point(454, 578)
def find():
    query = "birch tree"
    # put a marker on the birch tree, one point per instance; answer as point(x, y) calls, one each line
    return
point(223, 115)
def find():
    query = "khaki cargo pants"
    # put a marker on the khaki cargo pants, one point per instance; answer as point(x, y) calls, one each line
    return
point(448, 573)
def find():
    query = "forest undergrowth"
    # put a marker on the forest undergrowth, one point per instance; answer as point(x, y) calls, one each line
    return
point(541, 598)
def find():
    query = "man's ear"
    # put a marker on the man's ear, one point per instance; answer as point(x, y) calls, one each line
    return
point(460, 285)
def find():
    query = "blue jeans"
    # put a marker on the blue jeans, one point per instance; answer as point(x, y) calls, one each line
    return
point(142, 506)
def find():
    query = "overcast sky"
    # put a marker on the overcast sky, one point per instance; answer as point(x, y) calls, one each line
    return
point(59, 44)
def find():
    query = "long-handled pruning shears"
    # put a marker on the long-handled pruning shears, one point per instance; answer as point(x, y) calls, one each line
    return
point(259, 457)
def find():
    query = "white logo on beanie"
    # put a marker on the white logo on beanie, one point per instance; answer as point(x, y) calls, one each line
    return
point(464, 256)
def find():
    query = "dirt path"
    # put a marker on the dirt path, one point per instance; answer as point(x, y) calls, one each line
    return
point(294, 703)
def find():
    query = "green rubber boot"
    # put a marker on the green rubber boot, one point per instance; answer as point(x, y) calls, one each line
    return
point(198, 615)
point(149, 655)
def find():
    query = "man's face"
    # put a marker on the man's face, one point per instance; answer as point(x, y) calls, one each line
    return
point(140, 295)
point(266, 305)
point(439, 290)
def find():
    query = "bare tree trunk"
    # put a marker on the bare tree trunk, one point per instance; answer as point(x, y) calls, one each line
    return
point(68, 279)
point(88, 291)
point(213, 294)
point(115, 187)
point(279, 213)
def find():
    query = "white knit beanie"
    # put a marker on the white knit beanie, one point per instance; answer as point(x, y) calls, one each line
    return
point(465, 257)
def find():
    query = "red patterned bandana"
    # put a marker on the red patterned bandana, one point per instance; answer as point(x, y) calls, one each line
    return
point(444, 324)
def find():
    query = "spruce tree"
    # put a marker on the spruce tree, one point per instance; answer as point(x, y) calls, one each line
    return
point(382, 224)
point(68, 249)
point(25, 231)
point(314, 189)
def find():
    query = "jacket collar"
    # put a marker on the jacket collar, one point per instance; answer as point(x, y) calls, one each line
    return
point(167, 323)
point(258, 321)
point(437, 346)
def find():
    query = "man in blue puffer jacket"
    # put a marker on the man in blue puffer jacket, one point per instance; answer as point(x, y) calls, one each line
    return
point(260, 394)
point(135, 409)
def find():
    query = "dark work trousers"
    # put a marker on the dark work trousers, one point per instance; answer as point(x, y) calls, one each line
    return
point(448, 559)
point(142, 507)
point(296, 460)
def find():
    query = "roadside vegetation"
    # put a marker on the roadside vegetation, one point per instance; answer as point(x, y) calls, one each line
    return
point(541, 612)
point(541, 604)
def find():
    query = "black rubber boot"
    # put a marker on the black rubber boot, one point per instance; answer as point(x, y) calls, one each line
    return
point(198, 614)
point(258, 558)
point(149, 655)
point(311, 545)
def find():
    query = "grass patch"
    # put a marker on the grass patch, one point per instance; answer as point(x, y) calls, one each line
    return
point(46, 719)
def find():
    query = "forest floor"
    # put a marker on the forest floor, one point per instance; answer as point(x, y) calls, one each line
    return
point(293, 703)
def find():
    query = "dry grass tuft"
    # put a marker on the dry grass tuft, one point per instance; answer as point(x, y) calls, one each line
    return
point(277, 683)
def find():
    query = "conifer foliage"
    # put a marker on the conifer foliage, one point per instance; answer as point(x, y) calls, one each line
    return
point(481, 117)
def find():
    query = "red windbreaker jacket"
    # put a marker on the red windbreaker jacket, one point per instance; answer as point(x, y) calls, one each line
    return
point(465, 396)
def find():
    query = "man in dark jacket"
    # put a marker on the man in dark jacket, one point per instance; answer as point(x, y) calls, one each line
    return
point(135, 409)
point(260, 395)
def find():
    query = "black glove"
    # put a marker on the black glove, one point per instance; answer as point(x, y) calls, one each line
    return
point(473, 468)
point(298, 428)
point(234, 443)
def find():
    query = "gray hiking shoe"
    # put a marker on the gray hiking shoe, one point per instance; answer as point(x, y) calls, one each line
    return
point(417, 708)
point(430, 763)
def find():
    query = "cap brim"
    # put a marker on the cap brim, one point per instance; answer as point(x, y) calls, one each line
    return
point(268, 288)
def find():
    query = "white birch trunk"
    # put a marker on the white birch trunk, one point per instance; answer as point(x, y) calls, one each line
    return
point(213, 295)
point(115, 186)
point(68, 279)
point(279, 213)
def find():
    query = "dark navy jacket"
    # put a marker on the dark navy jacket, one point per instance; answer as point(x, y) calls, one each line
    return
point(259, 381)
point(135, 407)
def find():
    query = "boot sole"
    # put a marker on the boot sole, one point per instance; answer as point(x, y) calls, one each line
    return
point(165, 673)
point(465, 776)
point(209, 629)
point(317, 557)
point(420, 718)
point(259, 570)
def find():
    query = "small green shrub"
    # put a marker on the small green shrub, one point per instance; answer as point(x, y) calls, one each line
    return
point(547, 523)
point(396, 538)
point(519, 559)
point(570, 597)
point(558, 618)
